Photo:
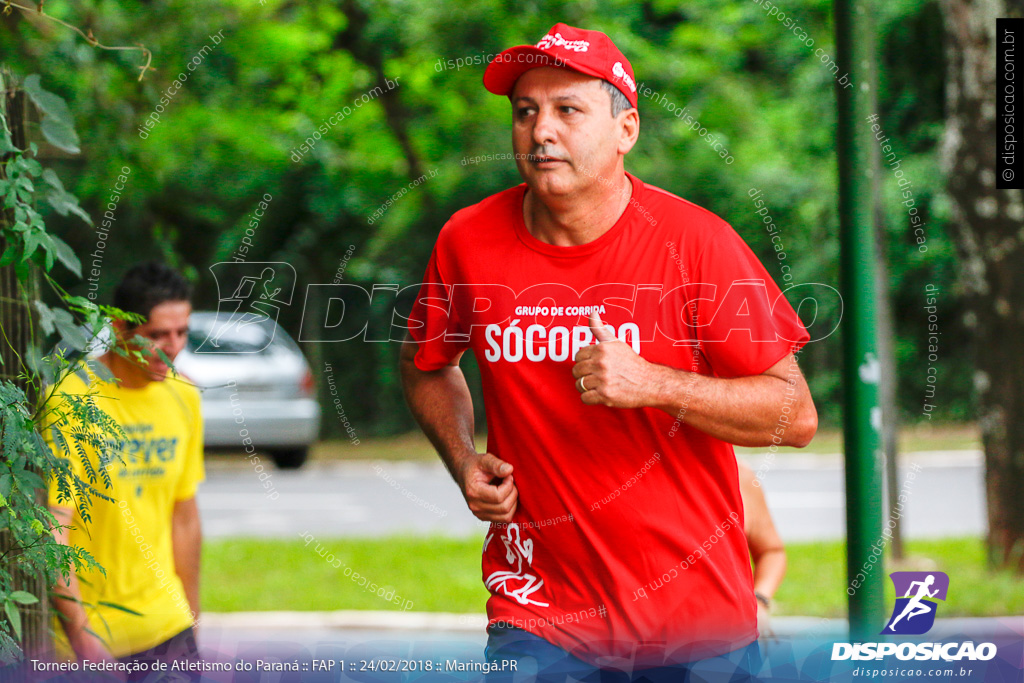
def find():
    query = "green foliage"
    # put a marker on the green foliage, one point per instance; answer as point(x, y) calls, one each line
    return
point(58, 126)
point(32, 549)
point(75, 422)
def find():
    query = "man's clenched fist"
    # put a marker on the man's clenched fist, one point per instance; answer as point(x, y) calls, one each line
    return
point(487, 485)
point(610, 373)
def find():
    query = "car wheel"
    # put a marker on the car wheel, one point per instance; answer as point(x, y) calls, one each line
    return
point(289, 458)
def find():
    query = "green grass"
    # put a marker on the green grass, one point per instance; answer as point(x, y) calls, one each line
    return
point(443, 575)
point(437, 574)
point(411, 446)
point(815, 582)
point(913, 438)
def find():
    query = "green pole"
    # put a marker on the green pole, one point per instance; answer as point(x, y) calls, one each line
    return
point(862, 418)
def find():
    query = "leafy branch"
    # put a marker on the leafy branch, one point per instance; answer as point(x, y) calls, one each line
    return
point(78, 430)
point(88, 35)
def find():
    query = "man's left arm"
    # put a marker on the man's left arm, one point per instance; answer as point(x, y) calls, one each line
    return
point(186, 537)
point(746, 411)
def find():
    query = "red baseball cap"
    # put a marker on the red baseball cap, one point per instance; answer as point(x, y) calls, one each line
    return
point(588, 52)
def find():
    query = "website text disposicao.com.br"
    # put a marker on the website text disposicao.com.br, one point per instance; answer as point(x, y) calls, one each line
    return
point(486, 58)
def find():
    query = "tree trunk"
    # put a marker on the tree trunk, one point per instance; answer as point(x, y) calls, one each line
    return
point(987, 229)
point(16, 322)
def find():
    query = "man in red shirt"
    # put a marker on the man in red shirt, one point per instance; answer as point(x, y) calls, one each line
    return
point(626, 338)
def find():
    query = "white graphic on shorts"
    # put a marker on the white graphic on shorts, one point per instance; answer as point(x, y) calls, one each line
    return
point(518, 584)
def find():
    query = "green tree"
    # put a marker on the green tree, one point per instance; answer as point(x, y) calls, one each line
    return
point(991, 246)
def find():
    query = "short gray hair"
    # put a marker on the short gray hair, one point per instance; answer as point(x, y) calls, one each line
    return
point(619, 101)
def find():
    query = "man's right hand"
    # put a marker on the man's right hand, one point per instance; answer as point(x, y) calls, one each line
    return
point(487, 485)
point(89, 646)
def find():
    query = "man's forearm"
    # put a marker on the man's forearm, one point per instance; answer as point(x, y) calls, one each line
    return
point(68, 601)
point(67, 596)
point(769, 570)
point(187, 540)
point(189, 575)
point(746, 411)
point(441, 403)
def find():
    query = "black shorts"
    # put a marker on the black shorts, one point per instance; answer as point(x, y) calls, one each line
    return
point(181, 647)
point(538, 661)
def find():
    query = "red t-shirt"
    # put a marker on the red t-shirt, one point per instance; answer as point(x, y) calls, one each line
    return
point(627, 543)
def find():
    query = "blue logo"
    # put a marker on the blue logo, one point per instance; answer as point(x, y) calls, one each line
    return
point(916, 593)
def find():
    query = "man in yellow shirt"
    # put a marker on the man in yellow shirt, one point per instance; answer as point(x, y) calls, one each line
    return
point(148, 540)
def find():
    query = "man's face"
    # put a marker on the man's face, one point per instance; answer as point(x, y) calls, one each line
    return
point(562, 125)
point(167, 328)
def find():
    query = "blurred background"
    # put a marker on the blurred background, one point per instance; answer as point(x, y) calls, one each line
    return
point(227, 136)
point(272, 72)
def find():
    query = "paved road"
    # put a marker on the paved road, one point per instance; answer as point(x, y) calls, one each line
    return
point(805, 493)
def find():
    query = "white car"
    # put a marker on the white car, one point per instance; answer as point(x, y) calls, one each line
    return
point(255, 382)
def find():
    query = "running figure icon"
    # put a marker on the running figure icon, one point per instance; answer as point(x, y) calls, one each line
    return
point(248, 294)
point(916, 606)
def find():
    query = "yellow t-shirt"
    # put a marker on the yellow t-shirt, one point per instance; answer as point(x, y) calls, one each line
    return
point(162, 458)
